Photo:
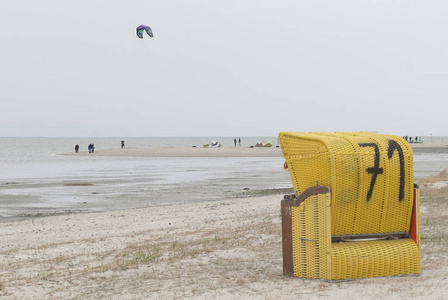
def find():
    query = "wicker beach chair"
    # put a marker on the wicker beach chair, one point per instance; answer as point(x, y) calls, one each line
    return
point(355, 213)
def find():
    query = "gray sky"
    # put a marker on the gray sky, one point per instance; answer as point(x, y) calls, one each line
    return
point(222, 68)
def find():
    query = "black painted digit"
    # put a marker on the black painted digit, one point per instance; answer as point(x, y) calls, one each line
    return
point(393, 145)
point(376, 167)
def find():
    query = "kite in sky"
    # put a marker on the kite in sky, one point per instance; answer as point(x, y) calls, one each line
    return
point(145, 28)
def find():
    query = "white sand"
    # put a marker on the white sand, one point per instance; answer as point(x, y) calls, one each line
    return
point(228, 249)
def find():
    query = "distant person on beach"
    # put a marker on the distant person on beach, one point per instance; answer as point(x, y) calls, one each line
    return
point(234, 142)
point(239, 141)
point(90, 148)
point(93, 147)
point(76, 148)
point(122, 145)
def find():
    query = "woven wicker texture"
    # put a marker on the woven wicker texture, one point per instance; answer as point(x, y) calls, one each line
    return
point(312, 238)
point(314, 256)
point(370, 176)
point(372, 192)
point(374, 259)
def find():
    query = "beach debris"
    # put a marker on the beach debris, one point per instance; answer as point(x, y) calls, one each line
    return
point(142, 28)
point(213, 144)
point(260, 144)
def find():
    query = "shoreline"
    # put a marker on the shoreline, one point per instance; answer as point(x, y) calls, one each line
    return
point(227, 248)
point(225, 151)
point(237, 196)
point(429, 147)
point(143, 185)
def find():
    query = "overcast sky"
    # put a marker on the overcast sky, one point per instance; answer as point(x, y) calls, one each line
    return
point(222, 68)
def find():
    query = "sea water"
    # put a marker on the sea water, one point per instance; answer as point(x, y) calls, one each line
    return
point(36, 180)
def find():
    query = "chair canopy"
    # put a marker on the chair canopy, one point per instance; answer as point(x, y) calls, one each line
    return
point(370, 176)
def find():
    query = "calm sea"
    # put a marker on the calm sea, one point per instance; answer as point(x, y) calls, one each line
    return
point(35, 180)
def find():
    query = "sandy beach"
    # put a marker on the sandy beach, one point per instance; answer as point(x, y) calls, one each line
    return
point(229, 249)
point(429, 147)
point(225, 151)
point(223, 249)
point(140, 149)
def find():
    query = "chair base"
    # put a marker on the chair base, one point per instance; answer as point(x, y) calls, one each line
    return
point(374, 259)
point(308, 250)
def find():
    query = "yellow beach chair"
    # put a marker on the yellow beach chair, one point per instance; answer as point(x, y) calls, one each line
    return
point(355, 213)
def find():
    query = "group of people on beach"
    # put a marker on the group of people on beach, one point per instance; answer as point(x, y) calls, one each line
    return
point(411, 139)
point(239, 141)
point(91, 147)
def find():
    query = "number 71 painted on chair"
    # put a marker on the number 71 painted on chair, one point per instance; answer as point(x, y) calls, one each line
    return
point(376, 170)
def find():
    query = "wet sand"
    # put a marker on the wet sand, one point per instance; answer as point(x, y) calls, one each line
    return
point(429, 148)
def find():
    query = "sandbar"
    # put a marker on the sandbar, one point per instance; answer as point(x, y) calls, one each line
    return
point(226, 151)
point(188, 152)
